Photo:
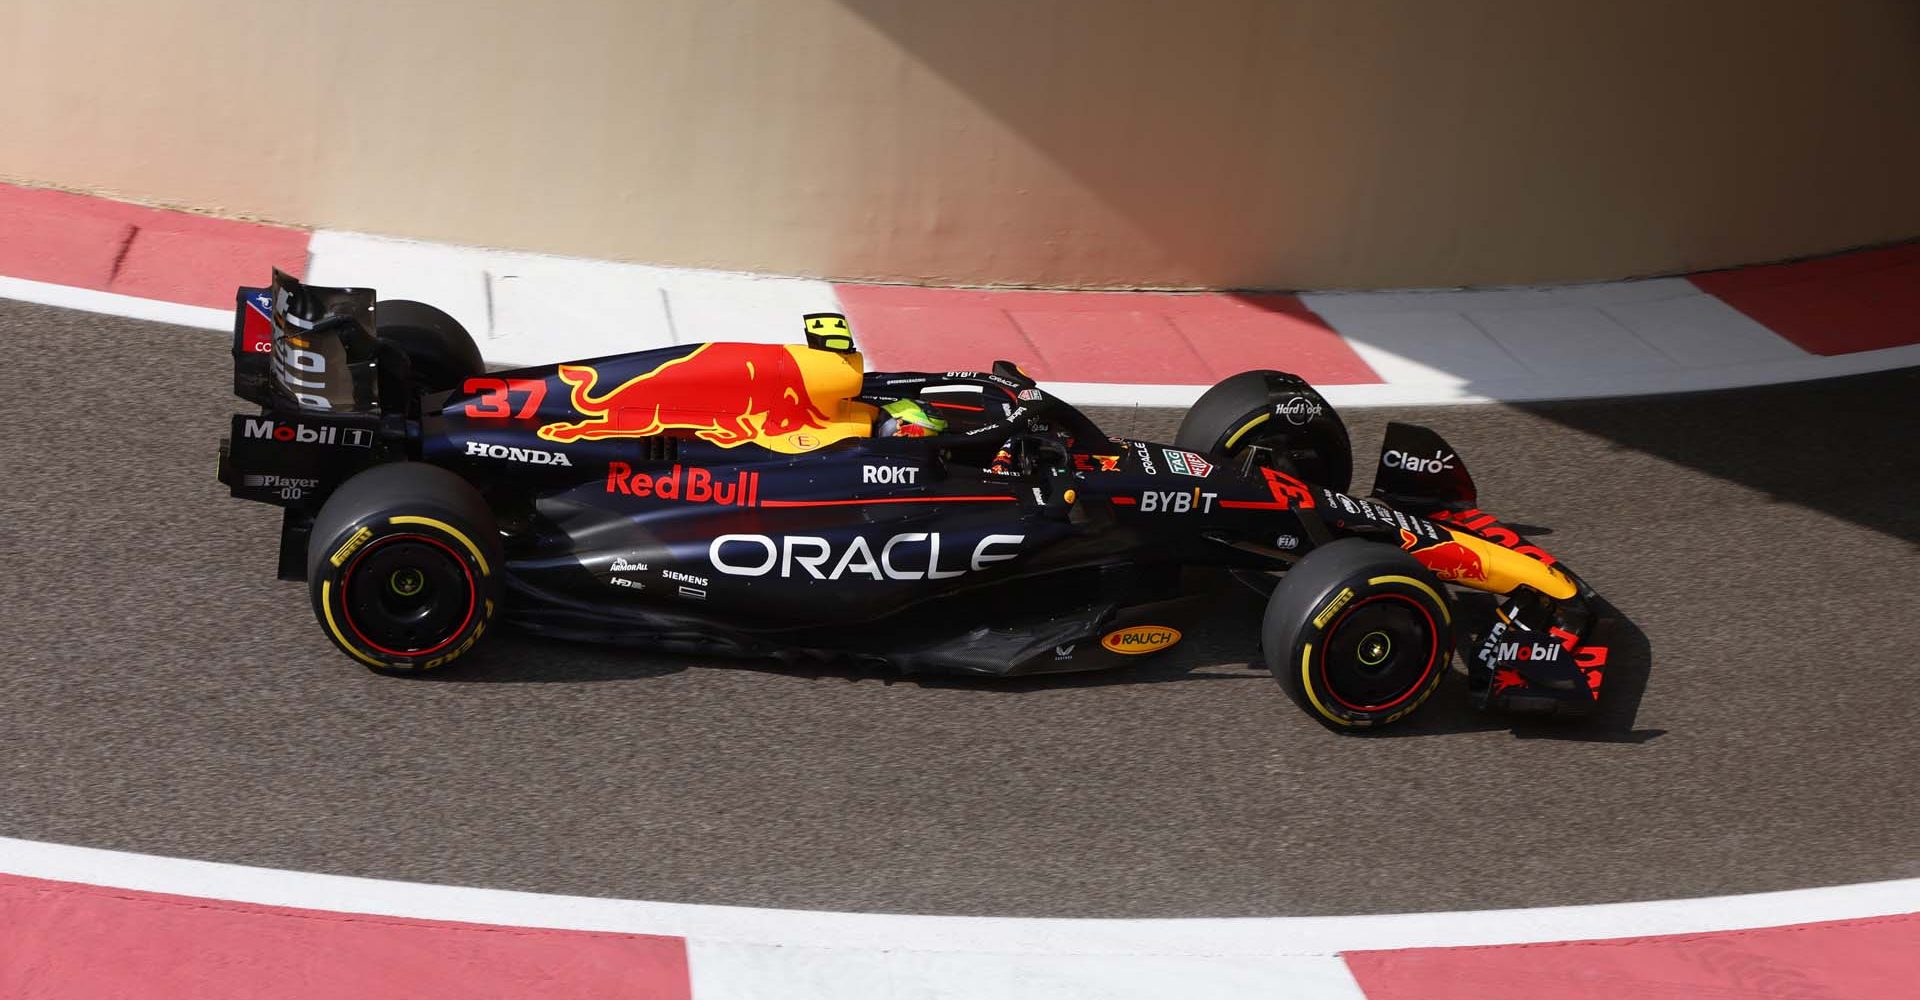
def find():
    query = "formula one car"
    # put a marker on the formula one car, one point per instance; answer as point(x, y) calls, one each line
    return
point(736, 498)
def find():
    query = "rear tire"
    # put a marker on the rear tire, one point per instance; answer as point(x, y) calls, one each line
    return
point(443, 354)
point(1294, 428)
point(404, 566)
point(1359, 633)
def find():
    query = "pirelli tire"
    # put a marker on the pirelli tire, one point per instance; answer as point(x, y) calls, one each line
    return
point(441, 351)
point(404, 567)
point(1359, 633)
point(1294, 428)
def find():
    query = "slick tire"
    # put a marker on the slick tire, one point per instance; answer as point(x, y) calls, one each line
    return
point(404, 567)
point(1296, 430)
point(443, 354)
point(1359, 634)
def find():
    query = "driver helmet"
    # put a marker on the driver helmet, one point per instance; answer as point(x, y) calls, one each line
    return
point(907, 418)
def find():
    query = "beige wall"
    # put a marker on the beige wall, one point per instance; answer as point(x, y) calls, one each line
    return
point(1237, 143)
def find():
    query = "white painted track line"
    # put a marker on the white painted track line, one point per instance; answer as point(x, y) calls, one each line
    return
point(111, 304)
point(1443, 392)
point(1249, 937)
point(742, 952)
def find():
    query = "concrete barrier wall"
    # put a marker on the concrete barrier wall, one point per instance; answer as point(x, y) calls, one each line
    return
point(1225, 143)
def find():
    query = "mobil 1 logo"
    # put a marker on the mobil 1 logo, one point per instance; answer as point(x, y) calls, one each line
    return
point(300, 432)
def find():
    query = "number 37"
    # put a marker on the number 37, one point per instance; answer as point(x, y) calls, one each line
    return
point(496, 397)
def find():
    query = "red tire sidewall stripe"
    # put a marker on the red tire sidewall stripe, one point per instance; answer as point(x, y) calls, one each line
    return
point(1433, 650)
point(347, 613)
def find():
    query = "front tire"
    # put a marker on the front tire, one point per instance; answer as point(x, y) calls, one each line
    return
point(403, 568)
point(1359, 633)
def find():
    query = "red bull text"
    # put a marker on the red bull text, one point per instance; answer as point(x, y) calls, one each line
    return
point(695, 485)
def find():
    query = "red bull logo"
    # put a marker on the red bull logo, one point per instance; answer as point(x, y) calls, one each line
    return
point(1096, 463)
point(1448, 560)
point(728, 394)
point(1505, 678)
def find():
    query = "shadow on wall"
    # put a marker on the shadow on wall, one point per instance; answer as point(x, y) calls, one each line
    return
point(1273, 144)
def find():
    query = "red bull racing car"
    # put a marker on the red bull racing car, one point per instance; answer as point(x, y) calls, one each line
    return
point(740, 499)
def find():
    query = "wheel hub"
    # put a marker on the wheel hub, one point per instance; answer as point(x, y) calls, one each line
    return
point(407, 595)
point(1379, 652)
point(1374, 649)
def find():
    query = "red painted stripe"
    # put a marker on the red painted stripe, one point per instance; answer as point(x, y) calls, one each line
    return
point(857, 502)
point(71, 239)
point(1159, 337)
point(60, 939)
point(1124, 501)
point(1878, 957)
point(1836, 305)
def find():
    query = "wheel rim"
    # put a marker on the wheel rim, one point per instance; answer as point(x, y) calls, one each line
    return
point(1380, 652)
point(407, 595)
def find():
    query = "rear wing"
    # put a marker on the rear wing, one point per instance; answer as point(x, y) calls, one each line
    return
point(302, 355)
point(306, 347)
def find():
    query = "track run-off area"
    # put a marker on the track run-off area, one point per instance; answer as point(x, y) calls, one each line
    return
point(166, 695)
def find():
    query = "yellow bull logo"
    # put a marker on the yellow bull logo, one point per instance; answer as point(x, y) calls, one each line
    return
point(729, 394)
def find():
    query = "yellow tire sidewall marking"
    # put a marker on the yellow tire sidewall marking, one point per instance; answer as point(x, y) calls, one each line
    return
point(1411, 582)
point(1306, 684)
point(326, 608)
point(457, 534)
point(1242, 432)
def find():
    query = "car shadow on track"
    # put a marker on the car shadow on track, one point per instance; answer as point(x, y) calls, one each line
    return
point(1221, 652)
point(1449, 711)
point(517, 657)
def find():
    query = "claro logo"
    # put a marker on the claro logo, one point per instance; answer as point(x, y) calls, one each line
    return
point(1440, 462)
point(911, 556)
point(1140, 639)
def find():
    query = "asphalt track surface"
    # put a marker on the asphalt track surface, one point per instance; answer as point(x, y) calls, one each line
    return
point(164, 694)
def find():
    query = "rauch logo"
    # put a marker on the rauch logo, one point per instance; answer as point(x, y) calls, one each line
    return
point(1140, 639)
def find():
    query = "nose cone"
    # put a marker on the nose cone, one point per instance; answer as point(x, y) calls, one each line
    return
point(1503, 569)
